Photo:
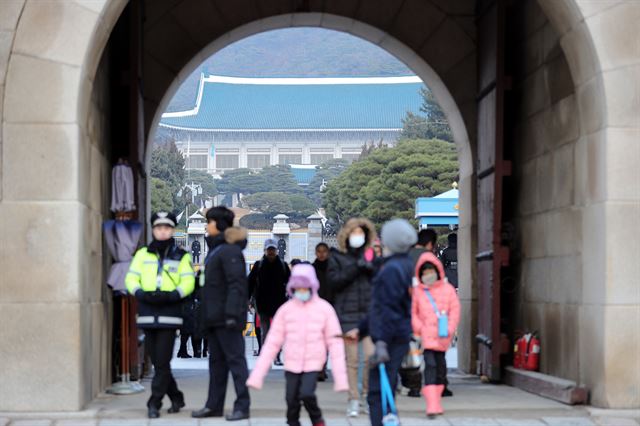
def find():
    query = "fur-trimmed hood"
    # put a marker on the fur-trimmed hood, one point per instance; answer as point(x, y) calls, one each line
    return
point(366, 224)
point(235, 234)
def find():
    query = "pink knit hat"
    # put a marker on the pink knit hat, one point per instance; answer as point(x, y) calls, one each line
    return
point(303, 275)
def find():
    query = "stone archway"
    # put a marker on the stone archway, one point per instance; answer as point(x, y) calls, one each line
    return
point(53, 132)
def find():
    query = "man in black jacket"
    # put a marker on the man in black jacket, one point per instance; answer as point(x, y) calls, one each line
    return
point(268, 284)
point(224, 313)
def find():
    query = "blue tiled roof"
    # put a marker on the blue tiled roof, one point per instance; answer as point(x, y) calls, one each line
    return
point(303, 175)
point(300, 106)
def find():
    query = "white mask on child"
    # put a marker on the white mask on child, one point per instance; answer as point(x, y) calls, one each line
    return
point(303, 296)
point(429, 279)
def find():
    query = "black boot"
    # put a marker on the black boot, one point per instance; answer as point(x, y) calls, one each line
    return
point(153, 413)
point(182, 352)
point(175, 407)
point(237, 415)
point(278, 362)
point(206, 412)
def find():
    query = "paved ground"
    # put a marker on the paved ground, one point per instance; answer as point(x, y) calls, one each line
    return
point(474, 404)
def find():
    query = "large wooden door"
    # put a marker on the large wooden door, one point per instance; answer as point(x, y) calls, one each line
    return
point(490, 168)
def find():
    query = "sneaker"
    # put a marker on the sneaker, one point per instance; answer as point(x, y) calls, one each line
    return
point(365, 407)
point(354, 408)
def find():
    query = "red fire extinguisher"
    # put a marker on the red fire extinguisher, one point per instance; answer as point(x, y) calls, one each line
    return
point(532, 359)
point(526, 354)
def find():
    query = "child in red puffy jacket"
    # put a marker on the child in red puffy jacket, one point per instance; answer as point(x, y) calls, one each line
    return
point(435, 316)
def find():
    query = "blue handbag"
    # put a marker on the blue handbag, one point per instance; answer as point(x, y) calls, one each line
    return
point(389, 412)
point(443, 318)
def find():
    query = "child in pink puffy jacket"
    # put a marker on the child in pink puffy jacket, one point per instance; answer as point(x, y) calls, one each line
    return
point(434, 297)
point(307, 326)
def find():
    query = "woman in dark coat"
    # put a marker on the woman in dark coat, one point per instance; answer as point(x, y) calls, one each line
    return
point(349, 275)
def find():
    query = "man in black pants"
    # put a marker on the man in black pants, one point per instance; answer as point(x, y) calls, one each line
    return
point(224, 313)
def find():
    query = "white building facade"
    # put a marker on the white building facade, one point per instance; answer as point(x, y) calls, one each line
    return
point(257, 122)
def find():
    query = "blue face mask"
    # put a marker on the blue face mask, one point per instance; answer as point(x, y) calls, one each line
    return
point(302, 296)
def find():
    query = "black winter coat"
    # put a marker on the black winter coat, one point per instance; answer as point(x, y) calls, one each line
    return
point(449, 260)
point(268, 284)
point(325, 291)
point(224, 295)
point(351, 287)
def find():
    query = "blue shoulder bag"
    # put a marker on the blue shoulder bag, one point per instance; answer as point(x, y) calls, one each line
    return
point(443, 318)
point(389, 412)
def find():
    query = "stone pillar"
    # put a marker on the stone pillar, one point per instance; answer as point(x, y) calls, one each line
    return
point(242, 159)
point(314, 235)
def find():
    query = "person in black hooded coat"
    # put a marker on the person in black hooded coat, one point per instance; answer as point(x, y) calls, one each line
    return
point(223, 314)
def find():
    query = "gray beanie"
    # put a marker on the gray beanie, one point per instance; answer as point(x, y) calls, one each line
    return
point(398, 236)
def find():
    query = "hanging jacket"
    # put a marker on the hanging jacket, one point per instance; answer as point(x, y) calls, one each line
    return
point(176, 274)
point(351, 284)
point(423, 318)
point(224, 295)
point(123, 191)
point(307, 330)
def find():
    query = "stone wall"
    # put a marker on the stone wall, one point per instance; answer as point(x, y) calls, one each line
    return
point(548, 210)
point(54, 137)
point(574, 140)
point(95, 258)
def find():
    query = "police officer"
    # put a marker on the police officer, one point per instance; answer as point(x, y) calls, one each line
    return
point(160, 276)
point(195, 251)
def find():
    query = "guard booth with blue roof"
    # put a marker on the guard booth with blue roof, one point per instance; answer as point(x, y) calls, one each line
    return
point(441, 210)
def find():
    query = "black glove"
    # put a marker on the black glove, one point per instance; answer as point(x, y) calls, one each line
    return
point(144, 296)
point(365, 266)
point(380, 355)
point(230, 323)
point(165, 297)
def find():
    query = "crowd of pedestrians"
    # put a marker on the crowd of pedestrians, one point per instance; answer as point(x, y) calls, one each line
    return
point(366, 305)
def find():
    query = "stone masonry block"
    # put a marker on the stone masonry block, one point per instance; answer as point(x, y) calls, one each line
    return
point(622, 88)
point(623, 251)
point(6, 38)
point(200, 20)
point(581, 56)
point(594, 265)
point(54, 85)
point(564, 235)
point(537, 280)
point(49, 337)
point(59, 31)
point(10, 13)
point(438, 51)
point(622, 352)
point(562, 125)
point(614, 32)
point(39, 258)
point(622, 157)
point(53, 155)
point(562, 189)
point(416, 21)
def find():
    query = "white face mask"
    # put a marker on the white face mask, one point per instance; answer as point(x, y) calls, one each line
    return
point(356, 241)
point(429, 279)
point(303, 296)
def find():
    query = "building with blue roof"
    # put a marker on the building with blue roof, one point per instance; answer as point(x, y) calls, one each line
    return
point(256, 122)
point(441, 210)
